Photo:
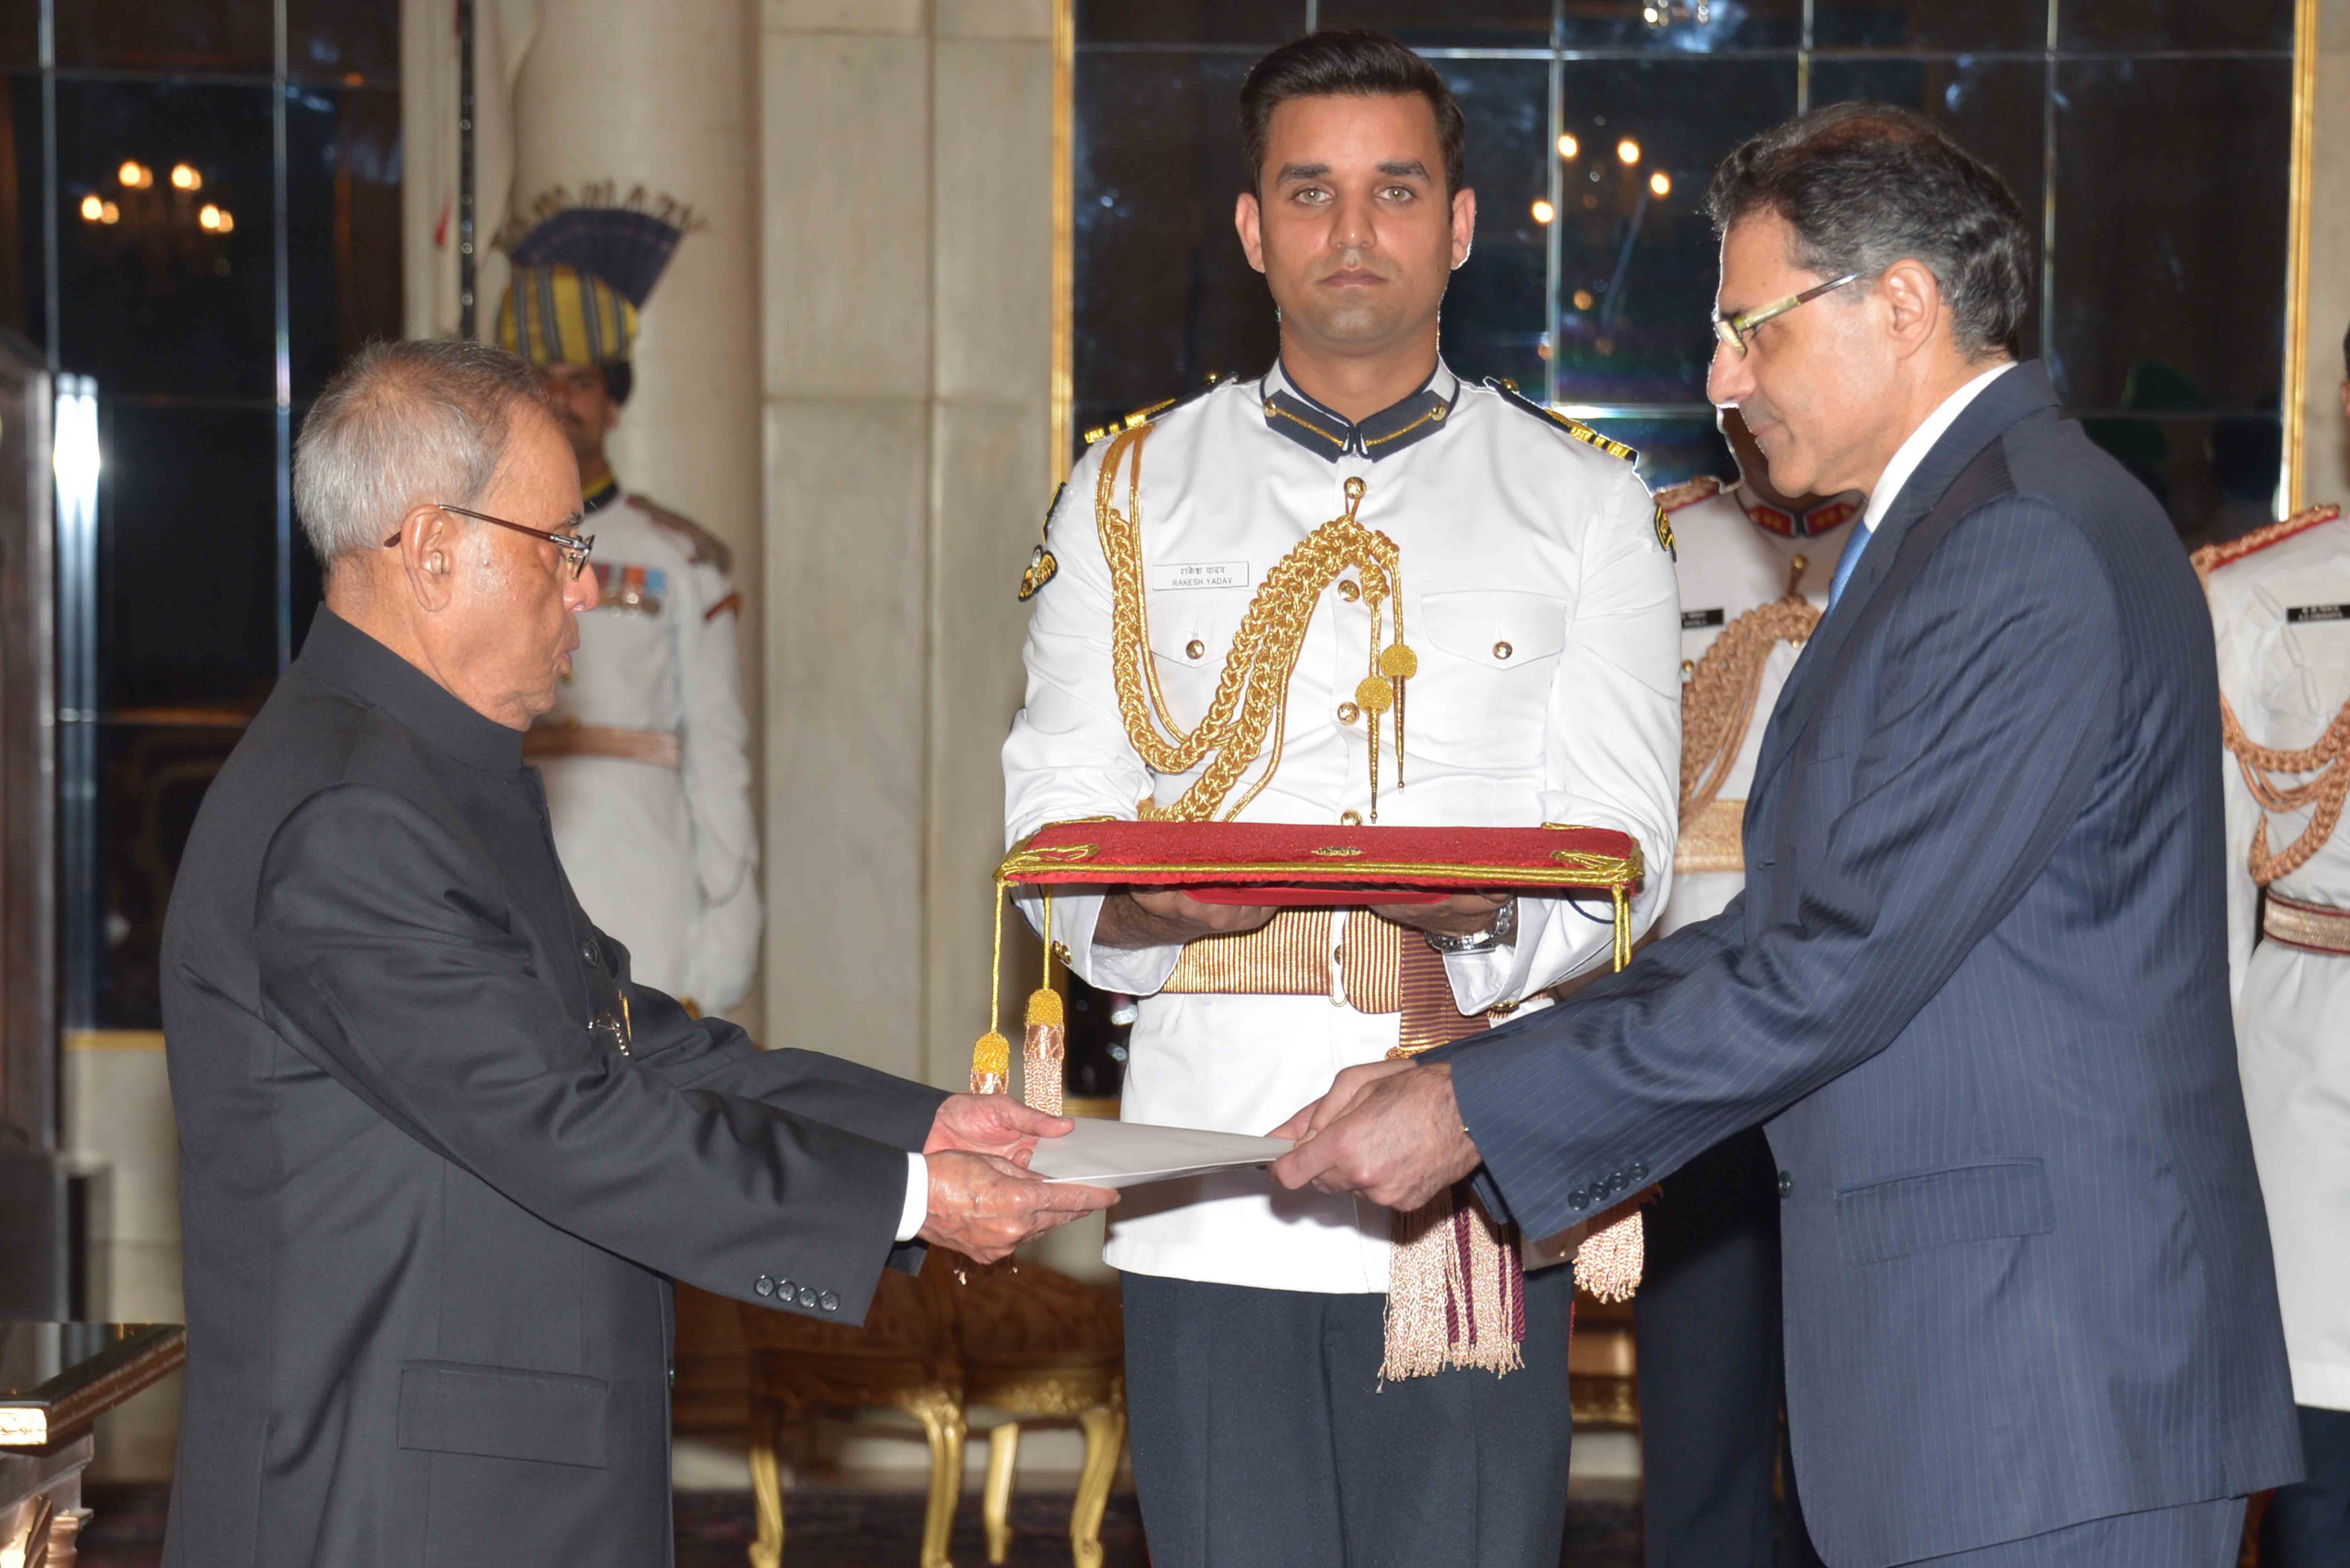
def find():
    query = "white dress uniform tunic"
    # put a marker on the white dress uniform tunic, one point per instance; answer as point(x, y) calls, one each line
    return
point(2281, 610)
point(659, 843)
point(1737, 553)
point(1537, 589)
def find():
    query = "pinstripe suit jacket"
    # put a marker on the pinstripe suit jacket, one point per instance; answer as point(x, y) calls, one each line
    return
point(1977, 986)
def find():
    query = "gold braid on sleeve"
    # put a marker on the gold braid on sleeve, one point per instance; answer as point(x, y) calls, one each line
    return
point(1251, 692)
point(2325, 767)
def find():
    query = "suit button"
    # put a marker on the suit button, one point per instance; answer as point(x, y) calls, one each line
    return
point(587, 952)
point(829, 1302)
point(1194, 648)
point(764, 1285)
point(1786, 1185)
point(808, 1297)
point(784, 1288)
point(1615, 1182)
point(1348, 712)
point(1639, 1170)
point(1578, 1199)
point(1502, 650)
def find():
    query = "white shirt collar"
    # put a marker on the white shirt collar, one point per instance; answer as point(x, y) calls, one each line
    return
point(1911, 453)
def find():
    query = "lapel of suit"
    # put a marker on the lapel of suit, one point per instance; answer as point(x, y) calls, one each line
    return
point(1998, 406)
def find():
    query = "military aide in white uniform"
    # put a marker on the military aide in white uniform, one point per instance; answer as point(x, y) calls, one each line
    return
point(1541, 602)
point(646, 756)
point(1755, 569)
point(2281, 609)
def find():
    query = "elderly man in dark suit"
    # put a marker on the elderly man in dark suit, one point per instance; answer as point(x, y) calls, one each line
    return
point(441, 1157)
point(1977, 983)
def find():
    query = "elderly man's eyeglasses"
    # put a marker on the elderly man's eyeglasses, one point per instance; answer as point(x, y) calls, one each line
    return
point(1735, 331)
point(574, 547)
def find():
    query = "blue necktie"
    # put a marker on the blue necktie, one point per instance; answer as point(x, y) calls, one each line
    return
point(1847, 561)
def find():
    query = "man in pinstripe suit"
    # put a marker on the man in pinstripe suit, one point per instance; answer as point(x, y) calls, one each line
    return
point(1977, 983)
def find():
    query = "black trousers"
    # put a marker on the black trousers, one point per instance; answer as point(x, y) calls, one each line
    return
point(2308, 1522)
point(1712, 1364)
point(1263, 1439)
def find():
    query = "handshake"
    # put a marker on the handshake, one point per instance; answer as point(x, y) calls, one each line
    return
point(984, 1201)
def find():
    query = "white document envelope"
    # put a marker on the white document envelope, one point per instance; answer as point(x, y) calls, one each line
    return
point(1131, 1154)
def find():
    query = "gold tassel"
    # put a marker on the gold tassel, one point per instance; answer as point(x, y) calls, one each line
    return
point(991, 1058)
point(1045, 1050)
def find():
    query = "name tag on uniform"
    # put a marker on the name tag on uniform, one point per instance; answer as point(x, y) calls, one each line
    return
point(2300, 613)
point(1198, 574)
point(1701, 620)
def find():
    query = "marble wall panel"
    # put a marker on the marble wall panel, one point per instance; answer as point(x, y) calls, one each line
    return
point(2325, 451)
point(988, 498)
point(995, 19)
point(843, 15)
point(845, 180)
point(117, 1113)
point(991, 256)
point(845, 584)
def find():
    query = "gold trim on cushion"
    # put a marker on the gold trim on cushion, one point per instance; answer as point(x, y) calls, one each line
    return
point(1712, 838)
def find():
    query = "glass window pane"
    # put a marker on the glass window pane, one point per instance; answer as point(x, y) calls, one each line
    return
point(1493, 308)
point(187, 556)
point(20, 37)
point(1932, 23)
point(1264, 22)
point(1638, 268)
point(1448, 23)
point(346, 41)
point(152, 779)
point(1728, 23)
point(2175, 24)
point(1163, 294)
point(2169, 287)
point(1993, 106)
point(2216, 477)
point(154, 297)
point(22, 304)
point(187, 35)
point(342, 203)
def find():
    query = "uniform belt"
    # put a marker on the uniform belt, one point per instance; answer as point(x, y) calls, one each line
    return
point(657, 747)
point(1294, 956)
point(1713, 839)
point(2310, 926)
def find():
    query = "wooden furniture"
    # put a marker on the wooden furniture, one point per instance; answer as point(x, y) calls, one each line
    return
point(55, 1380)
point(1023, 1339)
point(1602, 1389)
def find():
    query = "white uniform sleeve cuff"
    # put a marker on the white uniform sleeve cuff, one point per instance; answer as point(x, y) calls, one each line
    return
point(917, 1211)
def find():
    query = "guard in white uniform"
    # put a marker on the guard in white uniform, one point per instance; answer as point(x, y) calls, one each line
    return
point(1755, 568)
point(644, 755)
point(2281, 609)
point(1539, 596)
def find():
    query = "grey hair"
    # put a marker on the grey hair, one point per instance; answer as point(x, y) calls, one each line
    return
point(1865, 186)
point(401, 425)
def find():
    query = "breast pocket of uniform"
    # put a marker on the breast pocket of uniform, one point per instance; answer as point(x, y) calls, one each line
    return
point(1482, 695)
point(1191, 634)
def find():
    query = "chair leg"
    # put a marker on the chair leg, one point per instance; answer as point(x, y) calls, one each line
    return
point(939, 1410)
point(1003, 1458)
point(766, 1484)
point(1105, 1442)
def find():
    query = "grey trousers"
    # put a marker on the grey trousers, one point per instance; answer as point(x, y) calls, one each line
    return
point(2199, 1535)
point(1261, 1438)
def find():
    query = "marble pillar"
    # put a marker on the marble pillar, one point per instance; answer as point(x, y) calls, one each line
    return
point(2325, 436)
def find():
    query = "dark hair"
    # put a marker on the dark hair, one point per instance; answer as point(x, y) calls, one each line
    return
point(1350, 64)
point(1865, 186)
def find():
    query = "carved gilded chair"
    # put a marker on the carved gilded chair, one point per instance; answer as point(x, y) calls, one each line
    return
point(1017, 1337)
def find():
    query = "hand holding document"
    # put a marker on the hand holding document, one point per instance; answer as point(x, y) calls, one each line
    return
point(1133, 1154)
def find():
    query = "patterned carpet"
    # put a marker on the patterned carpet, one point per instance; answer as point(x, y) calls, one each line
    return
point(850, 1528)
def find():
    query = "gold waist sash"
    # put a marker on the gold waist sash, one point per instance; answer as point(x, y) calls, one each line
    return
point(657, 747)
point(1712, 838)
point(2310, 926)
point(1294, 956)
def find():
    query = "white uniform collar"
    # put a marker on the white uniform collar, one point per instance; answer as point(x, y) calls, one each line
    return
point(1329, 434)
point(1911, 453)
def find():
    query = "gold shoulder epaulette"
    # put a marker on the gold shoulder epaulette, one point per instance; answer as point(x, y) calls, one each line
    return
point(1144, 416)
point(1688, 492)
point(2212, 556)
point(1574, 427)
point(703, 546)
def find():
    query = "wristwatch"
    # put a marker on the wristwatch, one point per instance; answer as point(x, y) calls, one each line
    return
point(1504, 927)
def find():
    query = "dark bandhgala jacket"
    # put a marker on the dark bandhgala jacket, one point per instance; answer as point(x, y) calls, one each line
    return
point(440, 1159)
point(1978, 986)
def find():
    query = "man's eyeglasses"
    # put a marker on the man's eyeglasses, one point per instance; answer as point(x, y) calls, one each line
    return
point(1735, 331)
point(573, 547)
